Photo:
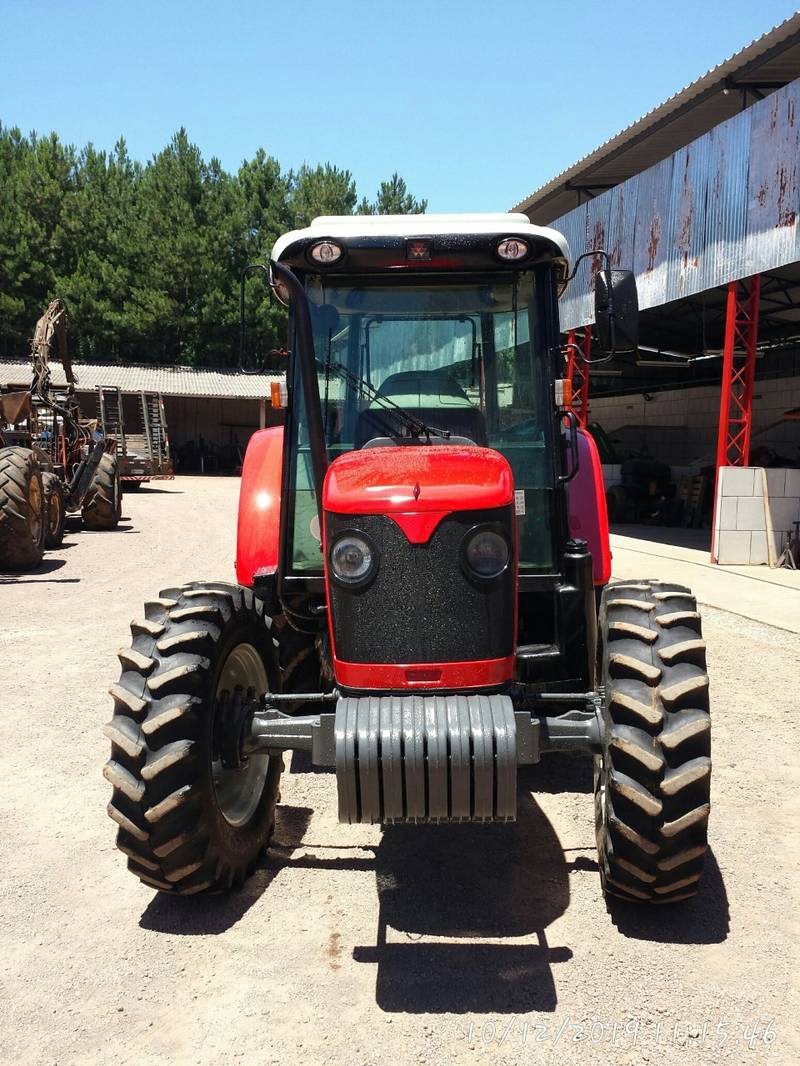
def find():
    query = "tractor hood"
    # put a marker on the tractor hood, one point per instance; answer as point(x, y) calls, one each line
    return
point(415, 616)
point(417, 478)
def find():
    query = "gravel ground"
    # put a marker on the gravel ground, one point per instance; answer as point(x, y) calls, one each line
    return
point(350, 946)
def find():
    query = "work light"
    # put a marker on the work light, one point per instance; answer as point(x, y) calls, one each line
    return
point(512, 248)
point(326, 253)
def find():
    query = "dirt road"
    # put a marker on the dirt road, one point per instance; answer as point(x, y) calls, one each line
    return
point(355, 947)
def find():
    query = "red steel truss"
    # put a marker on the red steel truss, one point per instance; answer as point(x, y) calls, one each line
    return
point(738, 376)
point(738, 373)
point(579, 350)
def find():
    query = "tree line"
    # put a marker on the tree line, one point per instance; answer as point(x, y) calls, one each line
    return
point(147, 256)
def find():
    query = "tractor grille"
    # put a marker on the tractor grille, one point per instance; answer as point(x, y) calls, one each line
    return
point(421, 607)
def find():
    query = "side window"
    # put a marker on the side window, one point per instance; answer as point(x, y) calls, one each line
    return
point(520, 432)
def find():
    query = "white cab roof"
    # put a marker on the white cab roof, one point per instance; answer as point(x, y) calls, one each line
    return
point(349, 226)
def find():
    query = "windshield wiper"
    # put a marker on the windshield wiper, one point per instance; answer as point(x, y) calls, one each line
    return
point(415, 426)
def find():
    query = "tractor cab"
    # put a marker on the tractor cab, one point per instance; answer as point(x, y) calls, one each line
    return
point(421, 345)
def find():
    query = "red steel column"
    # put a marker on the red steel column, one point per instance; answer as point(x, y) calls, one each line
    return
point(738, 377)
point(578, 355)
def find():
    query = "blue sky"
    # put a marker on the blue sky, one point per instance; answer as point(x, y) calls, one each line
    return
point(476, 103)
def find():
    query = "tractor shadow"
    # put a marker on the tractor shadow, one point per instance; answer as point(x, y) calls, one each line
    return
point(451, 882)
point(214, 914)
point(559, 772)
point(76, 527)
point(301, 764)
point(704, 919)
point(37, 574)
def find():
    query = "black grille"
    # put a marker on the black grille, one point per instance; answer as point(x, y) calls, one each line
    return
point(421, 607)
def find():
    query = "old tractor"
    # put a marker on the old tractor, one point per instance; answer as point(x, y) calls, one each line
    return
point(52, 461)
point(423, 600)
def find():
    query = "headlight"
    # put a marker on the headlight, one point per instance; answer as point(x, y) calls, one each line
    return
point(486, 553)
point(352, 559)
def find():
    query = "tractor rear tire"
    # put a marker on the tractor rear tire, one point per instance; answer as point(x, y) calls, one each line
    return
point(187, 824)
point(653, 779)
point(22, 513)
point(55, 509)
point(102, 504)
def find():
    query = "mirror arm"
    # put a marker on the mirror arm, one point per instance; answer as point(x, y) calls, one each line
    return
point(251, 268)
point(587, 255)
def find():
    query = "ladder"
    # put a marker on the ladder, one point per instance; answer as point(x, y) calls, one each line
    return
point(109, 410)
point(154, 423)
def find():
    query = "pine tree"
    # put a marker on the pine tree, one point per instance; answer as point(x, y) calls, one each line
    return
point(35, 177)
point(394, 199)
point(323, 190)
point(148, 257)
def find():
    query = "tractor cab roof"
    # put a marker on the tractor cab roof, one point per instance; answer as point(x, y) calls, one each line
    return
point(441, 242)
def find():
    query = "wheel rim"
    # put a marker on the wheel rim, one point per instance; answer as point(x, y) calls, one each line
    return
point(54, 517)
point(35, 507)
point(239, 791)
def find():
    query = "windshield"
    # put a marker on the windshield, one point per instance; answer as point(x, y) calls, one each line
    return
point(437, 361)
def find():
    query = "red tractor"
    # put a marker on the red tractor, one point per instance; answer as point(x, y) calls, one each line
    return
point(423, 598)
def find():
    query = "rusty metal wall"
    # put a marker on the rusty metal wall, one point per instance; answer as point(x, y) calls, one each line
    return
point(724, 207)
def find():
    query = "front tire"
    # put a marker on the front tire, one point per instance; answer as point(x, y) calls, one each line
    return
point(187, 824)
point(102, 505)
point(653, 779)
point(22, 513)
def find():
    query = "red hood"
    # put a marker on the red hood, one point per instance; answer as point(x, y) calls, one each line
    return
point(415, 478)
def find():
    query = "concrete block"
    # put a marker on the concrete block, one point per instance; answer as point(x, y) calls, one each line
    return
point(750, 512)
point(759, 555)
point(738, 481)
point(734, 547)
point(776, 483)
point(727, 512)
point(784, 513)
point(792, 483)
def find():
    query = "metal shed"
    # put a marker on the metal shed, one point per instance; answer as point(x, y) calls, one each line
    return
point(211, 412)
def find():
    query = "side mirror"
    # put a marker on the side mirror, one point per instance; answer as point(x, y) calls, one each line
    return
point(616, 311)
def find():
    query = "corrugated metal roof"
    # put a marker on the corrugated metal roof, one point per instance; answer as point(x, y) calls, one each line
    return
point(216, 383)
point(721, 208)
point(770, 61)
